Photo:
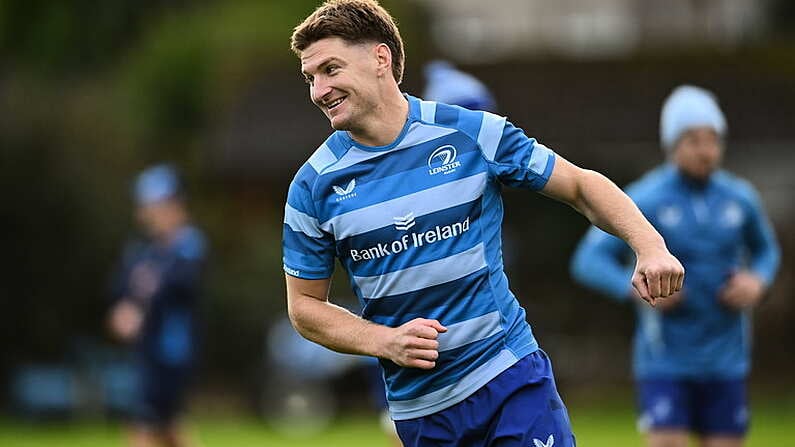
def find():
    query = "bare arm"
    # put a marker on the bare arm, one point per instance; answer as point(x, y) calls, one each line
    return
point(412, 345)
point(657, 273)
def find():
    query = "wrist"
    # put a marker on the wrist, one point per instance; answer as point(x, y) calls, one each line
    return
point(376, 339)
point(649, 245)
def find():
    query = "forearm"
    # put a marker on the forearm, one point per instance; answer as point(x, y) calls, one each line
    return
point(335, 327)
point(607, 207)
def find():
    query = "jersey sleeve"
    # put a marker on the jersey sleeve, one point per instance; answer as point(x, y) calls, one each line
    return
point(764, 251)
point(516, 159)
point(308, 251)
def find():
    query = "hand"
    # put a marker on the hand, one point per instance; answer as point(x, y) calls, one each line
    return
point(743, 290)
point(658, 274)
point(126, 320)
point(144, 281)
point(414, 344)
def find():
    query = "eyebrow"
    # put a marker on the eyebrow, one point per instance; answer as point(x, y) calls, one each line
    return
point(323, 64)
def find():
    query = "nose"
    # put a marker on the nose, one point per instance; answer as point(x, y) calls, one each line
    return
point(320, 90)
point(708, 150)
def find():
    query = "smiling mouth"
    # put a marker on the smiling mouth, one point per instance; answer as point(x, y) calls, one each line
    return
point(333, 104)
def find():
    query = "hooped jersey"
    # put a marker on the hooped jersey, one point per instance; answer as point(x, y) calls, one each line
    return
point(417, 226)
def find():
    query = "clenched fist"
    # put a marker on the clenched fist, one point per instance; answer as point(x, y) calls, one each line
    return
point(658, 274)
point(414, 344)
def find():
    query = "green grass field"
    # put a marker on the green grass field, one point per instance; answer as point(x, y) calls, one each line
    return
point(595, 425)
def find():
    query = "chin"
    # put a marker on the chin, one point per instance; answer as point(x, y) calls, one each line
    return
point(340, 124)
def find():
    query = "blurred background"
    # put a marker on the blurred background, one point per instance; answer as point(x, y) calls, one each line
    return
point(92, 92)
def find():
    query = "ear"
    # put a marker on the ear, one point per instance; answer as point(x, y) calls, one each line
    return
point(383, 59)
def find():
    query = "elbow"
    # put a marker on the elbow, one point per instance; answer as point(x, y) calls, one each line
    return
point(295, 314)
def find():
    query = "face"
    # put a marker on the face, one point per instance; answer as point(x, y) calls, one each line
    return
point(161, 219)
point(698, 153)
point(343, 80)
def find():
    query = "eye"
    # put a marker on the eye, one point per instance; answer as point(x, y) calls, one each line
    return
point(309, 80)
point(331, 69)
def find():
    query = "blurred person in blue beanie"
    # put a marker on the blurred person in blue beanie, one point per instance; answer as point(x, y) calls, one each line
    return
point(444, 83)
point(692, 352)
point(155, 294)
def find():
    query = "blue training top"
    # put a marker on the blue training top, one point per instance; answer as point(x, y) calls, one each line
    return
point(416, 224)
point(168, 335)
point(713, 229)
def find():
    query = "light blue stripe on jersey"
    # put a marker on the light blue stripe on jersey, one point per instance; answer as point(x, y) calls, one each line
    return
point(428, 111)
point(465, 332)
point(418, 134)
point(539, 158)
point(301, 222)
point(322, 158)
point(421, 276)
point(490, 134)
point(444, 397)
point(422, 202)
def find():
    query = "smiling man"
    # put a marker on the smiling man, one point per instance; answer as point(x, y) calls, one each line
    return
point(406, 194)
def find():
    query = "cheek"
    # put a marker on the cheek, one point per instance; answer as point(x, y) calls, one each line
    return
point(716, 154)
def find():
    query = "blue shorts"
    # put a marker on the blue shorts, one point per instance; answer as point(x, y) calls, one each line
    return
point(520, 407)
point(161, 395)
point(706, 407)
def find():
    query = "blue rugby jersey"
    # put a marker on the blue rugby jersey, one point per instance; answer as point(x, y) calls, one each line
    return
point(713, 229)
point(417, 226)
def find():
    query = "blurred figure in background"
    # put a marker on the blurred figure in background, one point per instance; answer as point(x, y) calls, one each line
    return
point(155, 299)
point(692, 352)
point(444, 83)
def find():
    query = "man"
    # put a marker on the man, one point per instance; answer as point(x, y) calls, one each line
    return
point(406, 194)
point(155, 300)
point(691, 354)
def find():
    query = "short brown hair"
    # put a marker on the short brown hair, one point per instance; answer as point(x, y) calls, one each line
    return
point(355, 21)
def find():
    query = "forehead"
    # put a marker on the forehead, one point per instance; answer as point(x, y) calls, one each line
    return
point(324, 49)
point(701, 132)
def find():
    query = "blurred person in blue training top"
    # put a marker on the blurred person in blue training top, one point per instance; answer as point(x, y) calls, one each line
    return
point(155, 299)
point(692, 352)
point(406, 194)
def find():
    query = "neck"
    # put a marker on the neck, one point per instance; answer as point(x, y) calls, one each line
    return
point(696, 182)
point(386, 120)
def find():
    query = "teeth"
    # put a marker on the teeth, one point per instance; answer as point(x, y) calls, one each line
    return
point(334, 103)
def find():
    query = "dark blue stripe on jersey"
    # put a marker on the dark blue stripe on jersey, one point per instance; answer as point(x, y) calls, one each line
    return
point(468, 121)
point(463, 297)
point(414, 255)
point(338, 143)
point(410, 383)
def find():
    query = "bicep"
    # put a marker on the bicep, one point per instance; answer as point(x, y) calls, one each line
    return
point(564, 182)
point(299, 288)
